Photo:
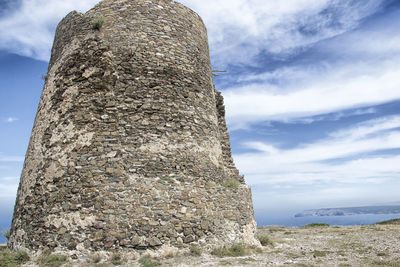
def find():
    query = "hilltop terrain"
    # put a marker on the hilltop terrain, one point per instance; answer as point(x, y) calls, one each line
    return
point(313, 245)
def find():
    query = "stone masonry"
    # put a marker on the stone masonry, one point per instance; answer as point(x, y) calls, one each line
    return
point(129, 147)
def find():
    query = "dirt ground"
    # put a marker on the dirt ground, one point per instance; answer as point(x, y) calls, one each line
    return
point(372, 245)
point(369, 245)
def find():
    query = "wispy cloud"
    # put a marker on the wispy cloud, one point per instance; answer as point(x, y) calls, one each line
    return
point(310, 92)
point(357, 69)
point(239, 30)
point(11, 158)
point(305, 163)
point(9, 180)
point(29, 30)
point(8, 192)
point(332, 116)
point(8, 187)
point(366, 128)
point(11, 119)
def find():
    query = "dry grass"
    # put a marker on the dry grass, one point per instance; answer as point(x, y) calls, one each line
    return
point(13, 259)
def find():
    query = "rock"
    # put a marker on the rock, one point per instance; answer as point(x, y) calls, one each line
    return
point(154, 241)
point(62, 230)
point(135, 241)
point(189, 239)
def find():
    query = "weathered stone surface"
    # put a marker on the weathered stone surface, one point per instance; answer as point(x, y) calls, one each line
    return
point(129, 146)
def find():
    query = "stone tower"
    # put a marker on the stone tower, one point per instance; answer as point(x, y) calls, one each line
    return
point(129, 147)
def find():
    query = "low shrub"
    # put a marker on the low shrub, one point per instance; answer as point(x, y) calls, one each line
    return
point(53, 260)
point(393, 221)
point(318, 253)
point(116, 259)
point(147, 261)
point(195, 250)
point(236, 250)
point(316, 225)
point(168, 179)
point(97, 23)
point(386, 263)
point(231, 183)
point(381, 254)
point(247, 260)
point(265, 241)
point(211, 184)
point(13, 259)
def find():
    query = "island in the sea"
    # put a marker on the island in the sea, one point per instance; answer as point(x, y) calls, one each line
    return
point(382, 209)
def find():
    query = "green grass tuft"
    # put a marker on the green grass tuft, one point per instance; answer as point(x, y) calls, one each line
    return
point(316, 225)
point(97, 23)
point(318, 253)
point(116, 259)
point(54, 260)
point(195, 250)
point(231, 183)
point(381, 254)
point(393, 221)
point(168, 179)
point(236, 250)
point(13, 259)
point(386, 263)
point(225, 263)
point(265, 241)
point(147, 261)
point(247, 260)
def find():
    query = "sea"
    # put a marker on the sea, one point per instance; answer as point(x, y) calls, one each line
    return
point(288, 219)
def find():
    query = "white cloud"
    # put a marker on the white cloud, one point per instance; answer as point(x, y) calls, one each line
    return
point(357, 69)
point(11, 158)
point(8, 187)
point(369, 127)
point(8, 192)
point(29, 31)
point(304, 164)
point(313, 92)
point(9, 180)
point(332, 116)
point(11, 119)
point(238, 29)
point(380, 38)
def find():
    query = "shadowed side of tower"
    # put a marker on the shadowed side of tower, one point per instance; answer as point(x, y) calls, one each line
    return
point(129, 148)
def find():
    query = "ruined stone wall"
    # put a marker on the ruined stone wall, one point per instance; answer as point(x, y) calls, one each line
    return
point(229, 166)
point(129, 146)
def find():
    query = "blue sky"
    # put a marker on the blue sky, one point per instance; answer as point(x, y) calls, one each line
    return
point(312, 93)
